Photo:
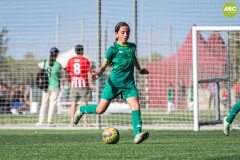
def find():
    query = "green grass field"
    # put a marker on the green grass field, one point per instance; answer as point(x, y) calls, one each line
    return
point(87, 144)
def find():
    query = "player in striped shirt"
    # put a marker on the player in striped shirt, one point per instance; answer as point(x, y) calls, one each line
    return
point(79, 72)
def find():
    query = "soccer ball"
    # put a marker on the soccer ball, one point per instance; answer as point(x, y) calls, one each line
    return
point(110, 136)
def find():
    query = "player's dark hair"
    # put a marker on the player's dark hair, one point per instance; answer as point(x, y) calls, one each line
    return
point(118, 26)
point(53, 55)
point(79, 49)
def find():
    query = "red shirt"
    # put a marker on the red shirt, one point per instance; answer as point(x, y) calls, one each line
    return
point(78, 67)
point(225, 93)
point(236, 88)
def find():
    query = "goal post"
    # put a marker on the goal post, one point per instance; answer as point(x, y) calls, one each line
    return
point(195, 59)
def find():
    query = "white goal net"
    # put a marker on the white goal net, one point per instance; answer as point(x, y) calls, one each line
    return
point(162, 31)
point(215, 75)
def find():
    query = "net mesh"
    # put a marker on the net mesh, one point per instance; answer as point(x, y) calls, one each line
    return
point(164, 47)
point(220, 45)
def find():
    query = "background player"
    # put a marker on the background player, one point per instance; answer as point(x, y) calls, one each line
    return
point(190, 98)
point(229, 119)
point(170, 93)
point(78, 68)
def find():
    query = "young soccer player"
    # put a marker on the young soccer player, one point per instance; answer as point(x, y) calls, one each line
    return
point(190, 98)
point(229, 119)
point(121, 81)
point(170, 99)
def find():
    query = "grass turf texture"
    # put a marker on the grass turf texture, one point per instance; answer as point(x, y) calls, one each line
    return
point(88, 144)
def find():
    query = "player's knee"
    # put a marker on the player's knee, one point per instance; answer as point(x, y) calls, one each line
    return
point(135, 107)
point(100, 110)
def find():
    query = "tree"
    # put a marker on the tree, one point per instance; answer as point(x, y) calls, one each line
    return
point(155, 56)
point(3, 43)
point(3, 49)
point(29, 56)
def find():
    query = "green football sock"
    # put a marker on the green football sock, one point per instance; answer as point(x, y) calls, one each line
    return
point(89, 109)
point(136, 122)
point(234, 112)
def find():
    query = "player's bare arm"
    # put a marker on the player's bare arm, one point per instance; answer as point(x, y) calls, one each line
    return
point(91, 83)
point(96, 75)
point(140, 70)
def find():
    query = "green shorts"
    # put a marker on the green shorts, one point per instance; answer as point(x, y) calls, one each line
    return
point(82, 93)
point(111, 92)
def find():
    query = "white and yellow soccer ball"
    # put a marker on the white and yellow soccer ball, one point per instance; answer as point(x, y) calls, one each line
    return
point(110, 136)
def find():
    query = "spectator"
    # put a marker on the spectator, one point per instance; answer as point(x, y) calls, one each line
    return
point(30, 81)
point(18, 102)
point(170, 93)
point(224, 99)
point(211, 88)
point(79, 71)
point(236, 88)
point(4, 105)
point(9, 98)
point(3, 108)
point(190, 98)
point(50, 96)
point(9, 83)
point(1, 89)
point(26, 97)
point(67, 88)
point(182, 90)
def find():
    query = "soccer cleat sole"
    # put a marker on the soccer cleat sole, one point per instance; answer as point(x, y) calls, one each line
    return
point(77, 119)
point(143, 137)
point(225, 127)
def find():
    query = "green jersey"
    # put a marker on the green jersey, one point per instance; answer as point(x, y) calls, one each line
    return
point(170, 94)
point(53, 73)
point(122, 57)
point(190, 94)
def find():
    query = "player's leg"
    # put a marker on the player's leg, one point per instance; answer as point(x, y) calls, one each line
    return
point(52, 104)
point(172, 107)
point(190, 106)
point(85, 116)
point(139, 136)
point(91, 109)
point(72, 111)
point(131, 96)
point(45, 100)
point(169, 107)
point(107, 95)
point(229, 119)
point(86, 95)
point(73, 97)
